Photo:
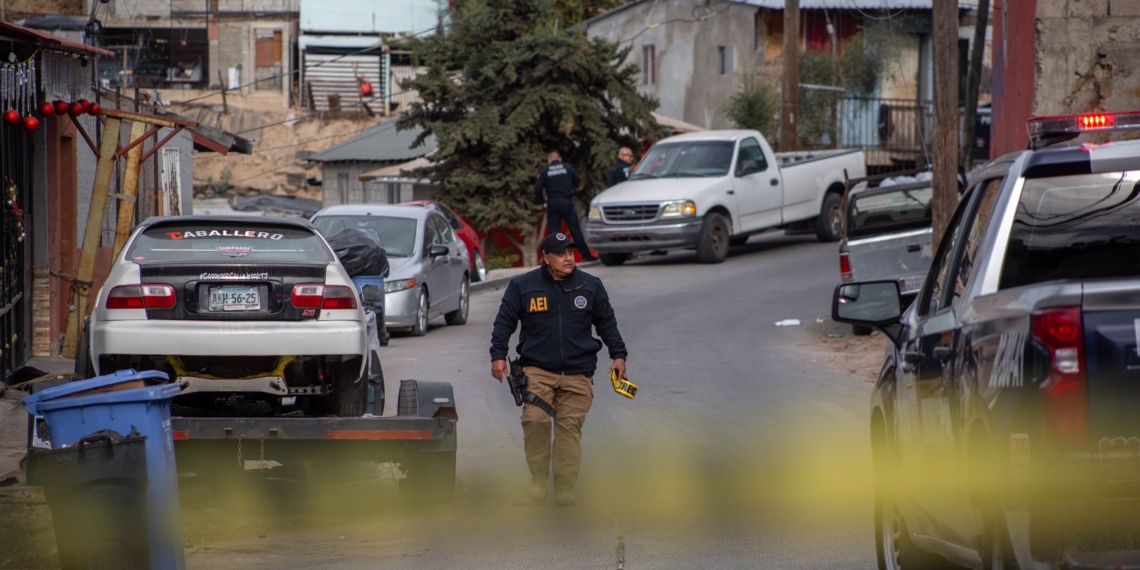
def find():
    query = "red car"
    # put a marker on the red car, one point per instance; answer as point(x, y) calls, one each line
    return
point(465, 232)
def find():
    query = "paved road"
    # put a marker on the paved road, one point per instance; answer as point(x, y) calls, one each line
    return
point(742, 450)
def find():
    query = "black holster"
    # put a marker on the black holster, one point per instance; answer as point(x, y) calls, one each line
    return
point(518, 383)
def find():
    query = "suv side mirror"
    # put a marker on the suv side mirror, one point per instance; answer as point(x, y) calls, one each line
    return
point(438, 250)
point(869, 304)
point(372, 294)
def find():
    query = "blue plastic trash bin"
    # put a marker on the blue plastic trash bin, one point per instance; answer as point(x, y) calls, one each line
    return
point(72, 412)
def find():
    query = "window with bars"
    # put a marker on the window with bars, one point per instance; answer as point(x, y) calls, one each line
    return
point(649, 65)
point(724, 57)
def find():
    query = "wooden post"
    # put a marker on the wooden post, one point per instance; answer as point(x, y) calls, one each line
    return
point(104, 170)
point(945, 141)
point(222, 81)
point(791, 95)
point(129, 196)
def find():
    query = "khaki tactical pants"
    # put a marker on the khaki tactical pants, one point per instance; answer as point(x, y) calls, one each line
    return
point(571, 396)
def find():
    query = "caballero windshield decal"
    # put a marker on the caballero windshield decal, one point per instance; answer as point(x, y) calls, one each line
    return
point(233, 276)
point(224, 233)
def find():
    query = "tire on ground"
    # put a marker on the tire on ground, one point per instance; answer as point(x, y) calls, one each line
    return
point(459, 315)
point(349, 398)
point(420, 328)
point(712, 245)
point(824, 228)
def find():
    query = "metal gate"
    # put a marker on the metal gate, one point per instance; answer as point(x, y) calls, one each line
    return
point(15, 258)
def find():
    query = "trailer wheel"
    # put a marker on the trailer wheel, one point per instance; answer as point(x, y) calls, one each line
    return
point(430, 477)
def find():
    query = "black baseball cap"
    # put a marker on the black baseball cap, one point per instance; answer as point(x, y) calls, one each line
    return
point(556, 243)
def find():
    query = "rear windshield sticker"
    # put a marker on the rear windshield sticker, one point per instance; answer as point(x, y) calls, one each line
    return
point(234, 250)
point(233, 276)
point(224, 233)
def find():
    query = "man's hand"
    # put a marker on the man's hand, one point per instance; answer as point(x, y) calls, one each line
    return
point(499, 369)
point(619, 366)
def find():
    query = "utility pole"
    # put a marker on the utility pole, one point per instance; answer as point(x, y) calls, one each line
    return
point(945, 142)
point(973, 82)
point(791, 90)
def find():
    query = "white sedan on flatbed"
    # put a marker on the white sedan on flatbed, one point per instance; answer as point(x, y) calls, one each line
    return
point(259, 308)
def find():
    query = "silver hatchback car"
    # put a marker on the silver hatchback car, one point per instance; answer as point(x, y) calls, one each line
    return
point(429, 274)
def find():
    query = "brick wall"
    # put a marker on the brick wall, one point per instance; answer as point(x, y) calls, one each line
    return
point(41, 313)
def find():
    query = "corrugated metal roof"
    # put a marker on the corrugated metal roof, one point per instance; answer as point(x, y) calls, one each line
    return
point(382, 143)
point(49, 41)
point(856, 4)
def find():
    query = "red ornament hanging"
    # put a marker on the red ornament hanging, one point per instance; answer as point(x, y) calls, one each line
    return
point(47, 109)
point(75, 109)
point(30, 124)
point(61, 107)
point(86, 105)
point(11, 117)
point(95, 109)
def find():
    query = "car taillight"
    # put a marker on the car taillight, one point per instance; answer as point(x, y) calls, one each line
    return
point(315, 296)
point(308, 296)
point(1064, 394)
point(339, 297)
point(146, 296)
point(845, 264)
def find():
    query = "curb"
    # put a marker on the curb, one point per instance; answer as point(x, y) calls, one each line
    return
point(498, 278)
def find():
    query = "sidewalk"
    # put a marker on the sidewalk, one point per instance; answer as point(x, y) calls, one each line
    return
point(498, 278)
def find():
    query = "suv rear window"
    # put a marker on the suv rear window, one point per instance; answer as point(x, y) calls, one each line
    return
point(204, 241)
point(1075, 227)
point(889, 209)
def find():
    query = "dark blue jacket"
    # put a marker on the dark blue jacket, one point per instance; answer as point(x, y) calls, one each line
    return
point(557, 322)
point(559, 180)
point(618, 173)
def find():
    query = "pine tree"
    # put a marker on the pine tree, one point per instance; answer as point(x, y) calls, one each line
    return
point(505, 85)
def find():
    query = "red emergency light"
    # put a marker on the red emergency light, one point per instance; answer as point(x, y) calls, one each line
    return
point(1069, 126)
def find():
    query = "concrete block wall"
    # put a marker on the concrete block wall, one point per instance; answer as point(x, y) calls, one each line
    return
point(1087, 56)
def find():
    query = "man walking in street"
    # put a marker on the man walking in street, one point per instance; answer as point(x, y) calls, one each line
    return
point(559, 307)
point(558, 182)
point(621, 169)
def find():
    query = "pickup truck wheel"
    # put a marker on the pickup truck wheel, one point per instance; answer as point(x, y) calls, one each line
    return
point(712, 246)
point(612, 259)
point(459, 315)
point(430, 477)
point(420, 328)
point(893, 546)
point(829, 224)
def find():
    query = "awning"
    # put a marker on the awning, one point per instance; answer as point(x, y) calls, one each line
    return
point(46, 40)
point(677, 126)
point(396, 172)
point(211, 139)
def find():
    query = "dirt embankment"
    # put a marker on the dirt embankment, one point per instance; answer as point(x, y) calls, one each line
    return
point(283, 138)
point(859, 356)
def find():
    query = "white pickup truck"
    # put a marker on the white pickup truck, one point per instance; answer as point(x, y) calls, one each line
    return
point(711, 189)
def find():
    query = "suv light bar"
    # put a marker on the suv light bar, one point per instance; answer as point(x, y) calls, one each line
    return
point(1071, 126)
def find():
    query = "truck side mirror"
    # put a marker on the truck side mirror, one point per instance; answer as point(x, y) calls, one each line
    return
point(870, 304)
